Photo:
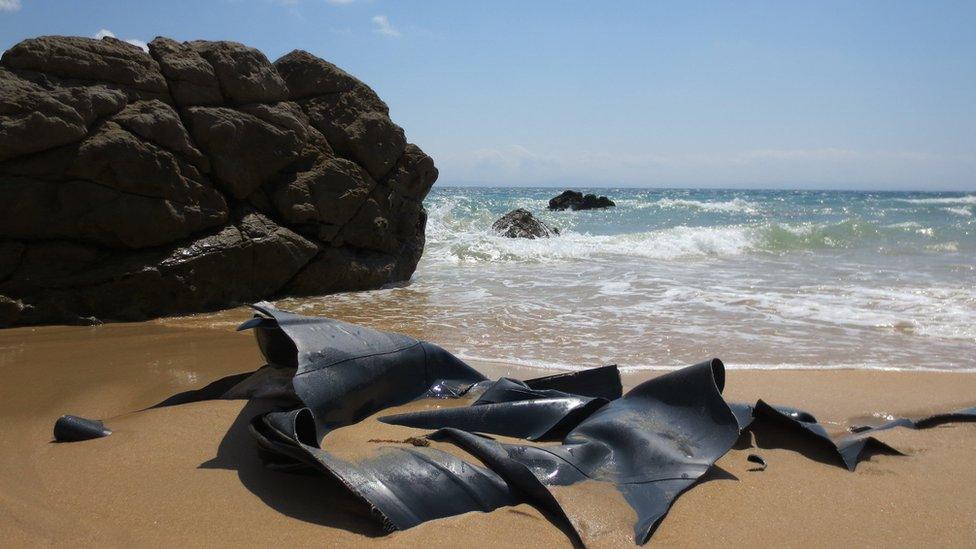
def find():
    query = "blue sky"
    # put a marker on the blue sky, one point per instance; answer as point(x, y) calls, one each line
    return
point(868, 95)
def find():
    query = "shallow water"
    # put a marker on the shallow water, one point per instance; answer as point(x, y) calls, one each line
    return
point(762, 279)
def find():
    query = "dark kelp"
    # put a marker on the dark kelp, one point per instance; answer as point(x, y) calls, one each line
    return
point(646, 447)
point(511, 408)
point(651, 444)
point(848, 450)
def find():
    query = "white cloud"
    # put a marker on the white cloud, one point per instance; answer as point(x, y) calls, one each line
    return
point(384, 27)
point(105, 33)
point(340, 2)
point(9, 5)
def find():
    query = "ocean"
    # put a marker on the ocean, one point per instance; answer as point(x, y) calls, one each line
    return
point(669, 277)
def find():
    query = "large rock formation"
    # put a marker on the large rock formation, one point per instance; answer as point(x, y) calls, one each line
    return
point(194, 177)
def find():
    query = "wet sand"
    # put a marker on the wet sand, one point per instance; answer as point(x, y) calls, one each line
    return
point(190, 474)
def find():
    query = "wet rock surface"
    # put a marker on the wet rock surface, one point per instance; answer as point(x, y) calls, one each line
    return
point(520, 223)
point(194, 177)
point(575, 200)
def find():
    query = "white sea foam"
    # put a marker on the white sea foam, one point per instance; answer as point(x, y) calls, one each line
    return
point(736, 205)
point(616, 288)
point(965, 212)
point(632, 368)
point(944, 312)
point(950, 247)
point(642, 320)
point(670, 243)
point(968, 199)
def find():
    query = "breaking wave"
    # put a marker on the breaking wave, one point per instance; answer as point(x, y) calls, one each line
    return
point(665, 244)
point(965, 212)
point(968, 199)
point(459, 231)
point(736, 205)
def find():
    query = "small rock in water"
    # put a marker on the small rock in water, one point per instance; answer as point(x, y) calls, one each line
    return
point(521, 223)
point(575, 200)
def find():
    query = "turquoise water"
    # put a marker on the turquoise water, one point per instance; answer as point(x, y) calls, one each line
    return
point(696, 222)
point(762, 279)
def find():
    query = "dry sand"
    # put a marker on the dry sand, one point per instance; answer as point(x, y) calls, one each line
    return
point(189, 475)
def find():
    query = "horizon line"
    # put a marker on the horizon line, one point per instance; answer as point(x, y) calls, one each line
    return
point(812, 188)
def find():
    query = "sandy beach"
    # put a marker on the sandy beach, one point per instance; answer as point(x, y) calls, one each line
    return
point(357, 273)
point(190, 474)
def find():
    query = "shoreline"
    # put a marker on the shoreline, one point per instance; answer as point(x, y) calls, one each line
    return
point(785, 367)
point(190, 474)
point(225, 321)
